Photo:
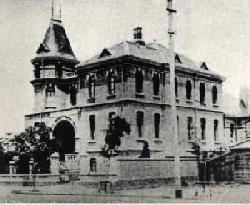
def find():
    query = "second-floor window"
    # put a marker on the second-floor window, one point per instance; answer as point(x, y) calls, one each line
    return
point(156, 83)
point(157, 122)
point(176, 88)
point(92, 126)
point(214, 94)
point(232, 130)
point(91, 87)
point(202, 93)
point(111, 83)
point(188, 90)
point(140, 122)
point(73, 95)
point(203, 128)
point(138, 82)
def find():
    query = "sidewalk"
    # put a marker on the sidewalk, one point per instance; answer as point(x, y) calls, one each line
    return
point(165, 192)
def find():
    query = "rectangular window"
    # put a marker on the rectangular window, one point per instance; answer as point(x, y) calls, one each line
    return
point(111, 117)
point(176, 88)
point(139, 122)
point(202, 93)
point(188, 90)
point(178, 125)
point(203, 128)
point(216, 122)
point(92, 126)
point(157, 118)
point(189, 127)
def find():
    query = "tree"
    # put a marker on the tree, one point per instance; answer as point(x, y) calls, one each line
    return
point(114, 133)
point(35, 143)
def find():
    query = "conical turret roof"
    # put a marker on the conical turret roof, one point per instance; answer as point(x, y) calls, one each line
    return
point(55, 44)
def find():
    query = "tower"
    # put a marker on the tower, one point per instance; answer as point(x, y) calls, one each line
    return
point(54, 82)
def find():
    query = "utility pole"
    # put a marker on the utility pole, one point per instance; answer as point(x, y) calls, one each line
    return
point(173, 119)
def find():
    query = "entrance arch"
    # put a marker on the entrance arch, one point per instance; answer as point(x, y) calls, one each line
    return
point(64, 132)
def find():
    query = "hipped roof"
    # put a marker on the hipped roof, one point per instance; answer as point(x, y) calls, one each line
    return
point(55, 44)
point(154, 52)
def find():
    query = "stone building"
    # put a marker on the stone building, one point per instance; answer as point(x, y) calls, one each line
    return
point(129, 79)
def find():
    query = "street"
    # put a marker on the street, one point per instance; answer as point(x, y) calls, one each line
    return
point(74, 193)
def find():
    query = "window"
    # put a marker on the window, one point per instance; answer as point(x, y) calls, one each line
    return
point(203, 128)
point(50, 90)
point(37, 73)
point(91, 87)
point(189, 127)
point(157, 122)
point(73, 95)
point(111, 83)
point(178, 125)
point(111, 117)
point(216, 130)
point(139, 122)
point(214, 94)
point(92, 165)
point(202, 93)
point(156, 83)
point(232, 130)
point(176, 88)
point(138, 82)
point(92, 126)
point(188, 90)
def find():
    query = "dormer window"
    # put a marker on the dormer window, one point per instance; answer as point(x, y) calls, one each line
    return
point(105, 52)
point(203, 66)
point(177, 59)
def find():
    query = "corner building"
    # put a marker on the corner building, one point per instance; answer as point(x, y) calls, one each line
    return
point(129, 79)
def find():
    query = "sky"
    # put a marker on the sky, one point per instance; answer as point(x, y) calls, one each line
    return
point(214, 31)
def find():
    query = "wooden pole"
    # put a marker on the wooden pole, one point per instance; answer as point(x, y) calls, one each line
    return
point(173, 121)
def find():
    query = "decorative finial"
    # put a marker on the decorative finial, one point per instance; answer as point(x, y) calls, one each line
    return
point(56, 11)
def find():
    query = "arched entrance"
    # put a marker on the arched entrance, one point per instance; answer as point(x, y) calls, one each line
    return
point(64, 132)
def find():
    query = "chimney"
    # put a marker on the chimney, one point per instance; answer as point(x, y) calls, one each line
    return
point(138, 36)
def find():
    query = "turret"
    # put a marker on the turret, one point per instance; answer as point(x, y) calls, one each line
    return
point(54, 66)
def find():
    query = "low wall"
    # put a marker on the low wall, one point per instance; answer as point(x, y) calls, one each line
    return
point(153, 172)
point(40, 179)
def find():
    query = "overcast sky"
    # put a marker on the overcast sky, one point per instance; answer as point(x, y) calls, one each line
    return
point(214, 31)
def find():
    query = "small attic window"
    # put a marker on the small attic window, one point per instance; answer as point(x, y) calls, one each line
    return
point(204, 66)
point(177, 59)
point(105, 52)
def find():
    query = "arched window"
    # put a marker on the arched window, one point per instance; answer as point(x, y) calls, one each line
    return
point(188, 90)
point(156, 83)
point(202, 93)
point(111, 83)
point(214, 94)
point(138, 82)
point(91, 87)
point(92, 165)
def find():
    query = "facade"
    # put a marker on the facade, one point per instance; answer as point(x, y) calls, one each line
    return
point(129, 79)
